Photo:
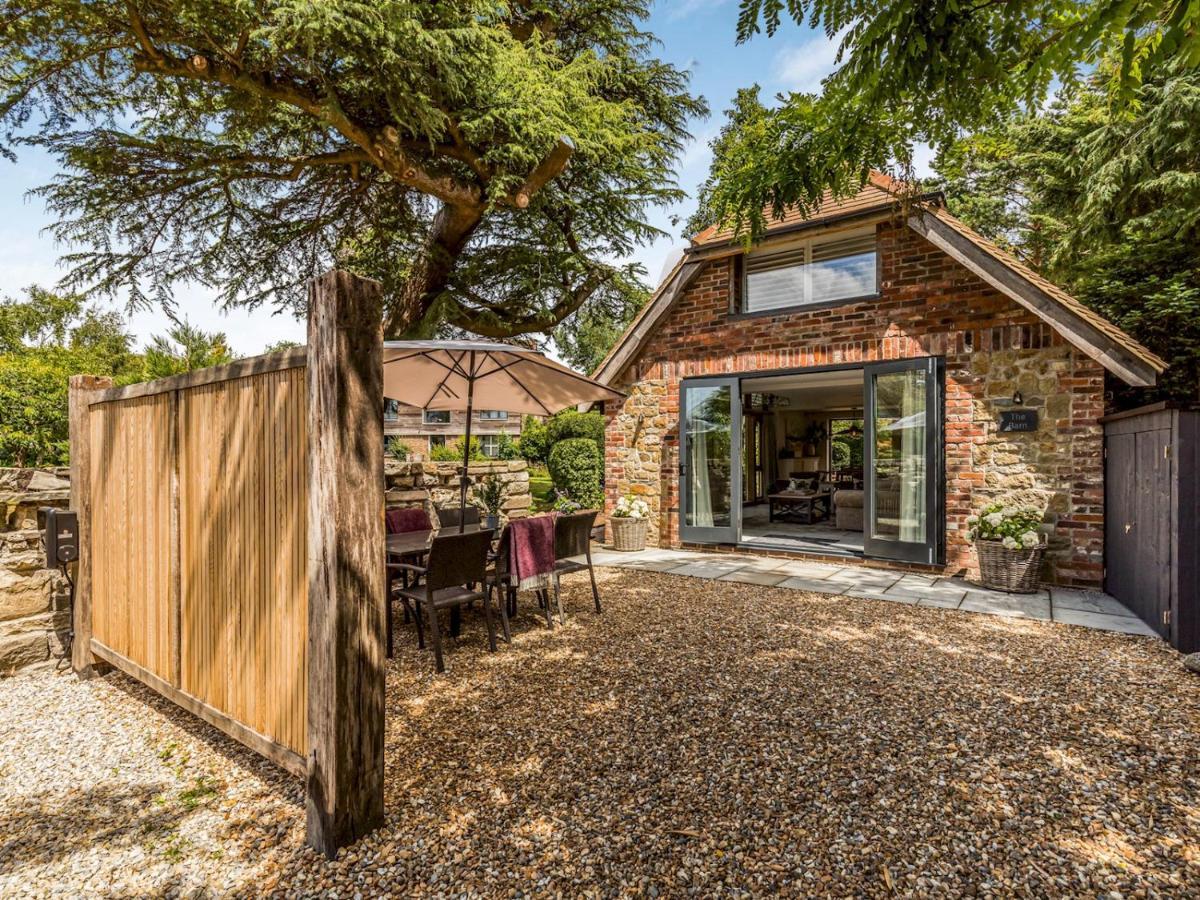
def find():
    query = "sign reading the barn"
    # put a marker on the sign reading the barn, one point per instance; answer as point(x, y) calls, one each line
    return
point(1019, 420)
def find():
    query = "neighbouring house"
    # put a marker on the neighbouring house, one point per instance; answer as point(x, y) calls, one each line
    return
point(857, 384)
point(421, 430)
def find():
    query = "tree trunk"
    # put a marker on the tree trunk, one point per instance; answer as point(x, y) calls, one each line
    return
point(452, 228)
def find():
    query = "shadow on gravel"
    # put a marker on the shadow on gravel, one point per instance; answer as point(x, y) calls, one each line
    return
point(53, 826)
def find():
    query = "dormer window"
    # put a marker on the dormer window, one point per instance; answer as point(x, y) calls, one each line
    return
point(829, 269)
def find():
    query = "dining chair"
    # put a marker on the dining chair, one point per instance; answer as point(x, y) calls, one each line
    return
point(403, 521)
point(449, 516)
point(503, 581)
point(573, 539)
point(453, 576)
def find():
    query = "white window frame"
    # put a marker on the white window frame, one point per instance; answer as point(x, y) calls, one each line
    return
point(493, 415)
point(806, 245)
point(483, 445)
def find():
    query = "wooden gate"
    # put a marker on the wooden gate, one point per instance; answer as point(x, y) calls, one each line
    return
point(1152, 504)
point(231, 525)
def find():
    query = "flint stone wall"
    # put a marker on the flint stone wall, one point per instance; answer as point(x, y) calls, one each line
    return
point(34, 601)
point(430, 484)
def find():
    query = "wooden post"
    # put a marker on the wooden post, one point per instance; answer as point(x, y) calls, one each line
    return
point(79, 389)
point(345, 560)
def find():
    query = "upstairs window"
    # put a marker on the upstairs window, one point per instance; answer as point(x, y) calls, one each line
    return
point(493, 415)
point(437, 417)
point(812, 272)
point(391, 410)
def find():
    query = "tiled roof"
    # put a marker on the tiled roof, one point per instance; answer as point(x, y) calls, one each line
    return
point(1048, 287)
point(878, 194)
point(882, 193)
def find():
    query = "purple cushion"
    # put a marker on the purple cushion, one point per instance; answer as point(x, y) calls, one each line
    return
point(401, 521)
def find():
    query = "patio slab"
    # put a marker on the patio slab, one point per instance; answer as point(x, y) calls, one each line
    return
point(750, 576)
point(1104, 622)
point(1086, 601)
point(1087, 609)
point(1021, 606)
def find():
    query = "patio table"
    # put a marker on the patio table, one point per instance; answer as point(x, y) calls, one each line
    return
point(408, 544)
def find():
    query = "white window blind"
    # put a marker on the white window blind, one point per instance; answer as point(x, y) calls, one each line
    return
point(816, 271)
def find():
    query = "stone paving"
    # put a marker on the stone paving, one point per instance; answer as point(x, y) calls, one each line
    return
point(1089, 609)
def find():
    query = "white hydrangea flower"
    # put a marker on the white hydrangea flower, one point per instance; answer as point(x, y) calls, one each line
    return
point(971, 520)
point(1029, 540)
point(994, 519)
point(1010, 542)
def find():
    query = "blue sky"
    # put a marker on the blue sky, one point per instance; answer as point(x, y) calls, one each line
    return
point(696, 34)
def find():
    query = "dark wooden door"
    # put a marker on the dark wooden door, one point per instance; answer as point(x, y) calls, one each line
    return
point(1138, 523)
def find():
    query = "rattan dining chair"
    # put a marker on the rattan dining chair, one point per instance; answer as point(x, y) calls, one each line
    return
point(449, 517)
point(573, 539)
point(454, 575)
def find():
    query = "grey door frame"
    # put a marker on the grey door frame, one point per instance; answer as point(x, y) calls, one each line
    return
point(932, 550)
point(730, 534)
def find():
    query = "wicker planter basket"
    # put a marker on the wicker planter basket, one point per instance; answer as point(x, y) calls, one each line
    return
point(628, 534)
point(1014, 570)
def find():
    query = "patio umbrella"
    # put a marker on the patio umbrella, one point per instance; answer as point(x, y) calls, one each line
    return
point(465, 375)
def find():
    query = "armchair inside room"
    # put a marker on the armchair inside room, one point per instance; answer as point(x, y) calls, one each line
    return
point(848, 509)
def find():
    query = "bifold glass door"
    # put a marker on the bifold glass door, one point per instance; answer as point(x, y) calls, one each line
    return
point(903, 457)
point(710, 470)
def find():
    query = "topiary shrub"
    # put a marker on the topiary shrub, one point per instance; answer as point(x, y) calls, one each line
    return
point(571, 423)
point(576, 468)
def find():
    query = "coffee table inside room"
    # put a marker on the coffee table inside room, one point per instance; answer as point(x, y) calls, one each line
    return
point(804, 507)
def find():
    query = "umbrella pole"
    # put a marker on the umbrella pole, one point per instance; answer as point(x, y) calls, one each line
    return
point(462, 484)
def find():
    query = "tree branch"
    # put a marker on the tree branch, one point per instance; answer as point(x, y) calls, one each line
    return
point(545, 172)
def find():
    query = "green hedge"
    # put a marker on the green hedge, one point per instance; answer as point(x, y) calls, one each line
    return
point(576, 468)
point(538, 438)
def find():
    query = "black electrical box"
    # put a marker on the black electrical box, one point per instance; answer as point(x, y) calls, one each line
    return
point(60, 532)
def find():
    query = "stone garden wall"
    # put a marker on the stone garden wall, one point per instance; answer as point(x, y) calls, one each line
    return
point(34, 602)
point(429, 484)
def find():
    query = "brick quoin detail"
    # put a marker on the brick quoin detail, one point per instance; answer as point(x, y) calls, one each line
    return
point(929, 305)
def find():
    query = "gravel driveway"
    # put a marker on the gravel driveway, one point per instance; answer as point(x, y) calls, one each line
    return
point(698, 737)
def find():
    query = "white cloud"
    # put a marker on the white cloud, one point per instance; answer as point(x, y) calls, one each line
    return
point(681, 9)
point(800, 67)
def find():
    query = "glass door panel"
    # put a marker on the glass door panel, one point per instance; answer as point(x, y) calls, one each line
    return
point(903, 461)
point(710, 470)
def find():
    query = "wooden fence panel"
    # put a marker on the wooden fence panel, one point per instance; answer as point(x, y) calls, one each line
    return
point(243, 544)
point(131, 466)
point(202, 573)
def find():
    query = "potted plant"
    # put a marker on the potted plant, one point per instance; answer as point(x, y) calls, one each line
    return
point(1010, 547)
point(490, 498)
point(629, 520)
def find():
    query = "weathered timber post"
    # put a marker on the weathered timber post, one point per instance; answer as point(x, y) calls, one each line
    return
point(79, 391)
point(345, 560)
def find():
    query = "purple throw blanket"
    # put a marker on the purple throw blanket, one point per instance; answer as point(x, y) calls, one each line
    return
point(531, 551)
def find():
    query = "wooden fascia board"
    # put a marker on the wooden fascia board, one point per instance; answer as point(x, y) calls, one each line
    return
point(633, 339)
point(1079, 332)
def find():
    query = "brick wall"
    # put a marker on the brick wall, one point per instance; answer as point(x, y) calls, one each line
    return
point(929, 305)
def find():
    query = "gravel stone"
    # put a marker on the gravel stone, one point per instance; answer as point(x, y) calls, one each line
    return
point(697, 738)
